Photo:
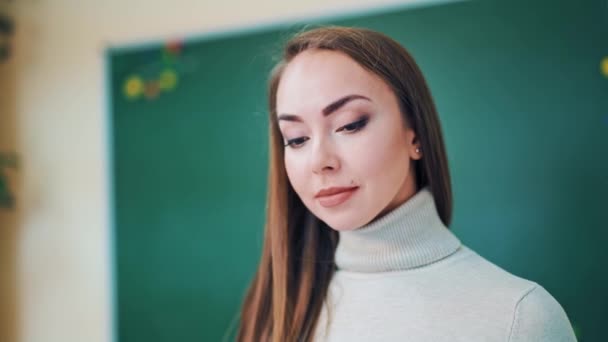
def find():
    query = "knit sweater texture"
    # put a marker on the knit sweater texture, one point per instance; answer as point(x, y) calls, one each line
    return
point(406, 277)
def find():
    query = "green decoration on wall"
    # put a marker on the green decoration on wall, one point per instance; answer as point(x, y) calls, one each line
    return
point(7, 27)
point(7, 198)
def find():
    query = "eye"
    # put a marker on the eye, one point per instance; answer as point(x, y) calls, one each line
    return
point(297, 142)
point(354, 126)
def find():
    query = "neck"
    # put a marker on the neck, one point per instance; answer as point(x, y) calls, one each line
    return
point(410, 236)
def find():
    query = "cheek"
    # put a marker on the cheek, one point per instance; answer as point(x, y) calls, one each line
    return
point(380, 157)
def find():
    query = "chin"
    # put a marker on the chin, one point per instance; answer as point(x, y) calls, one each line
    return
point(350, 216)
point(343, 221)
point(341, 228)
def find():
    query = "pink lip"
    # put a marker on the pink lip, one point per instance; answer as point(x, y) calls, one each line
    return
point(335, 196)
point(334, 190)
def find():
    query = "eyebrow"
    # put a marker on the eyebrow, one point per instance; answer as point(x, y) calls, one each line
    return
point(331, 108)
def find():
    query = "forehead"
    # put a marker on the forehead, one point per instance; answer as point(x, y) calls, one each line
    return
point(315, 78)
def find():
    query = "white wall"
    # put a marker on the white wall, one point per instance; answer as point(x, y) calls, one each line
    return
point(55, 278)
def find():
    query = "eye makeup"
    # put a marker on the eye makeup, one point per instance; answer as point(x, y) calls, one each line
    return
point(350, 128)
point(355, 126)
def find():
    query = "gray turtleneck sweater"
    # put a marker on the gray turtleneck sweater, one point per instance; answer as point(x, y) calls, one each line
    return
point(406, 277)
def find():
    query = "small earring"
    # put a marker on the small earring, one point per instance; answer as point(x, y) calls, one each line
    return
point(417, 150)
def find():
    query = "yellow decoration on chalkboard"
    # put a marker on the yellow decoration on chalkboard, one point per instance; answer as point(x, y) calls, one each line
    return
point(168, 79)
point(134, 87)
point(604, 66)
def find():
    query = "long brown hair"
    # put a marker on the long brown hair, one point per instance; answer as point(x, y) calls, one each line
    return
point(297, 263)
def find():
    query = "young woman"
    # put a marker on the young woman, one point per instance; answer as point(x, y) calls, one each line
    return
point(359, 200)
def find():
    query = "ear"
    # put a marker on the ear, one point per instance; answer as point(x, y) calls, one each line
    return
point(414, 147)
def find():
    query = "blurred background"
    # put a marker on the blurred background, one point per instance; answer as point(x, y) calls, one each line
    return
point(133, 152)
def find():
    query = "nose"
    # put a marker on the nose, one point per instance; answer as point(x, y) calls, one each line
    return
point(324, 157)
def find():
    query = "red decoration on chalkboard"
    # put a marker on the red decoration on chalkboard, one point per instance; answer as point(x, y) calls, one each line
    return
point(174, 47)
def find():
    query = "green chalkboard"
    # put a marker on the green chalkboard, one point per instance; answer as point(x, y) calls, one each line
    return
point(524, 108)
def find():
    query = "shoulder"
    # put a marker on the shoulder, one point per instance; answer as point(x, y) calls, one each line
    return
point(539, 317)
point(535, 315)
point(479, 273)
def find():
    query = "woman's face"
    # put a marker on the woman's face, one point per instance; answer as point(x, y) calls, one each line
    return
point(348, 150)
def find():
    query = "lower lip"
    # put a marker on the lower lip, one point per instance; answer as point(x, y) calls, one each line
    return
point(336, 199)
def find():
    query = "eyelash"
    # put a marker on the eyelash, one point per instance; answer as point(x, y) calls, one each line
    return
point(352, 127)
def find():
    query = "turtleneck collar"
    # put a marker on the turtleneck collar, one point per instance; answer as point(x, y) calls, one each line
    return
point(410, 236)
